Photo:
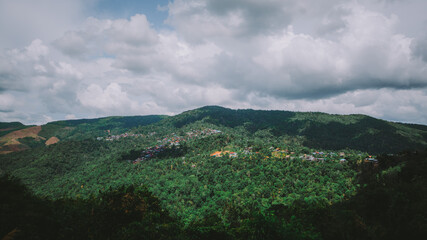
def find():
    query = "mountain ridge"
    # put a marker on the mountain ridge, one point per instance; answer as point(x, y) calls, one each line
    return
point(319, 130)
point(215, 166)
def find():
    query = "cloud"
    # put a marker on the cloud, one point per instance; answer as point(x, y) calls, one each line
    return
point(419, 47)
point(6, 103)
point(394, 105)
point(200, 20)
point(17, 64)
point(229, 18)
point(334, 56)
point(36, 81)
point(135, 32)
point(367, 54)
point(25, 20)
point(72, 44)
point(99, 37)
point(70, 116)
point(110, 99)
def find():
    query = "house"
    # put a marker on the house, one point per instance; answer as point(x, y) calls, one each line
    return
point(216, 154)
point(308, 157)
point(219, 154)
point(371, 160)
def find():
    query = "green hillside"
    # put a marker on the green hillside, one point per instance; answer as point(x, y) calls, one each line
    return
point(87, 128)
point(214, 173)
point(7, 127)
point(315, 130)
point(320, 130)
point(79, 129)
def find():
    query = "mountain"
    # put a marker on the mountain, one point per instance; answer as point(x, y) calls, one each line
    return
point(16, 136)
point(85, 128)
point(318, 130)
point(7, 127)
point(214, 172)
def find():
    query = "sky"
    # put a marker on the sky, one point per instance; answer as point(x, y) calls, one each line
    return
point(63, 59)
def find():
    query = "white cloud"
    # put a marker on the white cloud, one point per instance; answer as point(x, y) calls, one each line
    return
point(70, 116)
point(111, 99)
point(72, 44)
point(6, 102)
point(112, 37)
point(295, 65)
point(24, 20)
point(136, 32)
point(333, 56)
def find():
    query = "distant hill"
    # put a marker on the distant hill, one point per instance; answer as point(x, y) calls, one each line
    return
point(7, 127)
point(318, 130)
point(242, 173)
point(16, 136)
point(84, 128)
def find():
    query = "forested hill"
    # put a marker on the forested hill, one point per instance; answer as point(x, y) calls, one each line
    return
point(7, 127)
point(314, 129)
point(15, 136)
point(319, 130)
point(214, 173)
point(85, 128)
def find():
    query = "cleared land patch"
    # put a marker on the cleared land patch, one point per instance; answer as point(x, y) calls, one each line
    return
point(10, 143)
point(51, 141)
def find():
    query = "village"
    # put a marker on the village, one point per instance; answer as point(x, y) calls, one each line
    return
point(173, 139)
point(341, 157)
point(164, 143)
point(167, 139)
point(123, 135)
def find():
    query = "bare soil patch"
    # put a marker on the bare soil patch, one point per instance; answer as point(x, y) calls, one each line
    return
point(51, 141)
point(10, 141)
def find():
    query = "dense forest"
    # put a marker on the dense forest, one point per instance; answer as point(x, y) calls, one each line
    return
point(216, 173)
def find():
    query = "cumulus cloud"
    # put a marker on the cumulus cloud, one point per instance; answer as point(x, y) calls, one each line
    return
point(221, 18)
point(333, 56)
point(419, 48)
point(99, 37)
point(25, 20)
point(6, 103)
point(17, 64)
point(72, 44)
point(35, 81)
point(366, 54)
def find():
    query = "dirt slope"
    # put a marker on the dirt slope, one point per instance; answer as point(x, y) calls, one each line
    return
point(9, 142)
point(51, 141)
